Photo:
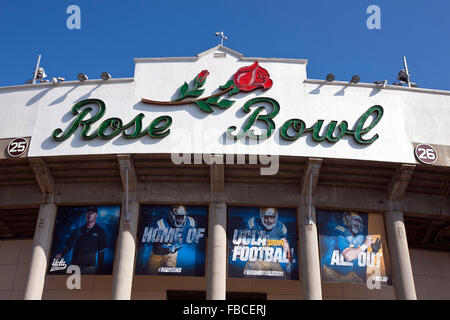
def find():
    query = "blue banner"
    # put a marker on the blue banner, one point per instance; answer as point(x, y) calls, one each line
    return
point(84, 236)
point(262, 243)
point(353, 248)
point(171, 240)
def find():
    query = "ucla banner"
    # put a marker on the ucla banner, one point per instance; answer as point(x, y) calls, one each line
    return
point(353, 248)
point(84, 236)
point(262, 243)
point(172, 240)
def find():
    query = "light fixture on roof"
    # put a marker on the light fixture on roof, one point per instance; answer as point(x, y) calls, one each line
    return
point(355, 79)
point(82, 77)
point(40, 73)
point(105, 76)
point(404, 77)
point(55, 80)
point(330, 77)
point(381, 83)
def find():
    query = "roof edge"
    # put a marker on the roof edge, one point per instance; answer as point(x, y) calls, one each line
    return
point(224, 49)
point(372, 85)
point(66, 83)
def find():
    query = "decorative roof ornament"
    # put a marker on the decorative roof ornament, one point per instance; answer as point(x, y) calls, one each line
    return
point(223, 37)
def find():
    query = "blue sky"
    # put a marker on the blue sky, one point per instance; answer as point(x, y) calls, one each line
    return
point(332, 35)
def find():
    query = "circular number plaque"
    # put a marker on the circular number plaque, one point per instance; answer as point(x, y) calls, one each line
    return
point(426, 154)
point(17, 147)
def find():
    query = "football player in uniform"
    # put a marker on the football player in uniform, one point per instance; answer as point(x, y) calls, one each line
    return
point(349, 241)
point(165, 254)
point(276, 233)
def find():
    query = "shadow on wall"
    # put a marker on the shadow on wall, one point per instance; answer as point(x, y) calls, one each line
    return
point(61, 99)
point(38, 96)
point(341, 92)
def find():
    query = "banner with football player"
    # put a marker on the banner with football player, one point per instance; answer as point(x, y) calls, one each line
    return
point(262, 243)
point(172, 240)
point(353, 248)
point(84, 236)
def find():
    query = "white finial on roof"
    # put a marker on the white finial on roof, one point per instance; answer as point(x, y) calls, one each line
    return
point(222, 37)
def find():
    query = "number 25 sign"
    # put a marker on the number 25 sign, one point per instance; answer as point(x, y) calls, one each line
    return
point(17, 147)
point(426, 154)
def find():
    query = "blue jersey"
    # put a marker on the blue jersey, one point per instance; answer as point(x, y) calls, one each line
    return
point(342, 240)
point(177, 242)
point(347, 239)
point(279, 231)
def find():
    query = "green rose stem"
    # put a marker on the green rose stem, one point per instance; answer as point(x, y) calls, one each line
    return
point(177, 103)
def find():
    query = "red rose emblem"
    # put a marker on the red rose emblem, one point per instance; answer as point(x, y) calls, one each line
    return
point(252, 77)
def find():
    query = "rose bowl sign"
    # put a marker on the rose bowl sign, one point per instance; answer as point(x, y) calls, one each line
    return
point(262, 112)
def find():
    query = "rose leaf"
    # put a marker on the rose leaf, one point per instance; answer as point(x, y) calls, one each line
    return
point(183, 90)
point(234, 91)
point(204, 106)
point(227, 85)
point(195, 93)
point(225, 104)
point(212, 100)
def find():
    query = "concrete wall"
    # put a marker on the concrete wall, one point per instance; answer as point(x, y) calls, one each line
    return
point(93, 287)
point(14, 265)
point(431, 271)
point(430, 268)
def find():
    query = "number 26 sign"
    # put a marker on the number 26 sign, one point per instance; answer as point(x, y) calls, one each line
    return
point(426, 154)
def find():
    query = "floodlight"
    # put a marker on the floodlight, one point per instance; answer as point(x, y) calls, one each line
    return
point(330, 77)
point(381, 83)
point(82, 77)
point(105, 76)
point(40, 73)
point(355, 79)
point(403, 76)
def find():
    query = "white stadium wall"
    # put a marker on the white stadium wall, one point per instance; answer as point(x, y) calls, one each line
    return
point(410, 116)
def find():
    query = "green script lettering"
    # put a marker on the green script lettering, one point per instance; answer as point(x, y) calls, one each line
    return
point(255, 116)
point(294, 128)
point(111, 127)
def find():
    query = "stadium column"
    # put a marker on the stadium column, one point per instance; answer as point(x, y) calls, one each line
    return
point(309, 248)
point(402, 274)
point(217, 235)
point(126, 243)
point(43, 233)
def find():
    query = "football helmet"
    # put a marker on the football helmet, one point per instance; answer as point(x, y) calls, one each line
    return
point(178, 216)
point(269, 217)
point(353, 221)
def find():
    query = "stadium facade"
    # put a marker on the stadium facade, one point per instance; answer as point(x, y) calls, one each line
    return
point(284, 187)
